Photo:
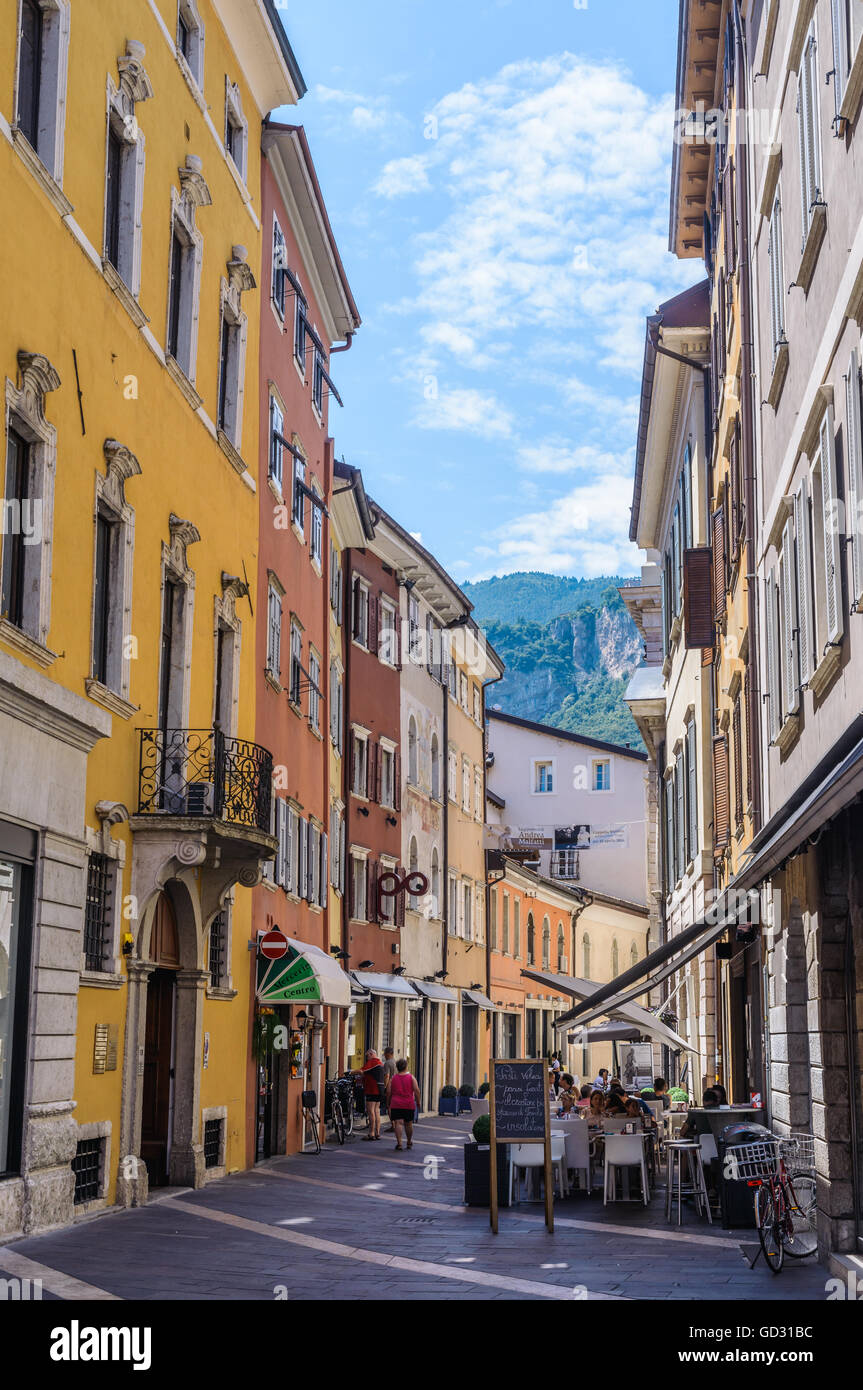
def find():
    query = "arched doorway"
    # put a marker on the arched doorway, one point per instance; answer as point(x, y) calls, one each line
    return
point(158, 1091)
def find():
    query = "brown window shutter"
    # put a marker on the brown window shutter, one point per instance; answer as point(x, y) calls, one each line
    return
point(751, 734)
point(400, 902)
point(707, 656)
point(721, 804)
point(719, 564)
point(371, 891)
point(377, 782)
point(697, 605)
point(374, 622)
point(737, 735)
point(734, 490)
point(397, 781)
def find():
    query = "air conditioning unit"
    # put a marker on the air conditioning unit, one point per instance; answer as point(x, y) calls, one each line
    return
point(199, 799)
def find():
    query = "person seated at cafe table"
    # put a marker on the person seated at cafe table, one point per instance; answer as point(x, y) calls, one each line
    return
point(567, 1095)
point(643, 1107)
point(696, 1125)
point(596, 1110)
point(586, 1093)
point(658, 1091)
point(601, 1082)
point(615, 1104)
point(634, 1112)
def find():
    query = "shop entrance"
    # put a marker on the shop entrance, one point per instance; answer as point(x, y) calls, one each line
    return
point(267, 1057)
point(158, 1081)
point(468, 1044)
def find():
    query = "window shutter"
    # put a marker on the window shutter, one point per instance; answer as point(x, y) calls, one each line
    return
point(397, 781)
point(686, 477)
point(718, 524)
point(728, 215)
point(399, 901)
point(805, 606)
point(734, 489)
point(282, 833)
point(373, 781)
point(737, 738)
point(721, 811)
point(750, 716)
point(374, 622)
point(670, 859)
point(663, 592)
point(680, 817)
point(837, 8)
point(697, 598)
point(833, 576)
point(813, 171)
point(343, 848)
point(788, 582)
point(692, 789)
point(303, 887)
point(677, 563)
point(352, 896)
point(372, 914)
point(774, 713)
point(801, 134)
point(854, 432)
point(323, 881)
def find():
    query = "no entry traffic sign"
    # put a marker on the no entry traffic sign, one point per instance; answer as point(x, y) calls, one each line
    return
point(273, 945)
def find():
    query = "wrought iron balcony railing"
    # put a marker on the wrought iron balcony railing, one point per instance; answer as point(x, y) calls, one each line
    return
point(201, 773)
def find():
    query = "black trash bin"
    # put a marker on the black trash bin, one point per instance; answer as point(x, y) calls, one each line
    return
point(737, 1198)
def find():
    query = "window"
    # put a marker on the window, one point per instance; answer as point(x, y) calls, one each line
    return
point(847, 19)
point(477, 704)
point(190, 40)
point(633, 954)
point(585, 956)
point(336, 583)
point(43, 45)
point(413, 867)
point(477, 794)
point(462, 685)
point(298, 511)
point(413, 629)
point(432, 647)
point(615, 959)
point(413, 768)
point(565, 864)
point(492, 919)
point(543, 777)
point(452, 911)
point(108, 662)
point(810, 146)
point(452, 774)
point(98, 914)
point(277, 429)
point(296, 672)
point(318, 373)
point(388, 776)
point(854, 453)
point(776, 262)
point(359, 887)
point(360, 763)
point(562, 962)
point(531, 940)
point(435, 885)
point(465, 785)
point(337, 847)
point(274, 631)
point(87, 1167)
point(232, 353)
point(388, 644)
point(185, 268)
point(26, 508)
point(360, 617)
point(691, 790)
point(218, 951)
point(315, 691)
point(236, 128)
point(504, 936)
point(280, 265)
point(124, 170)
point(467, 911)
point(826, 537)
point(300, 329)
point(546, 944)
point(336, 706)
point(435, 767)
point(516, 927)
point(316, 538)
point(601, 774)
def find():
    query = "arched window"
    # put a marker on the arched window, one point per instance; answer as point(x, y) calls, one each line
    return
point(435, 884)
point(435, 768)
point(615, 959)
point(633, 955)
point(546, 943)
point(531, 940)
point(412, 752)
point(413, 867)
point(585, 955)
point(561, 945)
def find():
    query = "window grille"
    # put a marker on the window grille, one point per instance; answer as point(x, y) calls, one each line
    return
point(212, 1143)
point(96, 914)
point(86, 1165)
point(218, 950)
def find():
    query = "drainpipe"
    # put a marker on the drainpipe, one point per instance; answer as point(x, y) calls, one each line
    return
point(346, 743)
point(345, 346)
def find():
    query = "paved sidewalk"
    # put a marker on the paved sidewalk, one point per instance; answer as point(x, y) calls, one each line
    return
point(365, 1222)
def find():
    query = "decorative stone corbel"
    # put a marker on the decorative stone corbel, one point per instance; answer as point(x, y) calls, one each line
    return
point(110, 813)
point(38, 377)
point(134, 82)
point(193, 185)
point(240, 276)
point(232, 584)
point(183, 534)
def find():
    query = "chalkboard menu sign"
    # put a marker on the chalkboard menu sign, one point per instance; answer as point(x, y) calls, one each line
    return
point(520, 1100)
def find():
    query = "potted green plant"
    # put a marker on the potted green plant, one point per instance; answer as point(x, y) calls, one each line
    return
point(448, 1102)
point(484, 1090)
point(465, 1092)
point(477, 1167)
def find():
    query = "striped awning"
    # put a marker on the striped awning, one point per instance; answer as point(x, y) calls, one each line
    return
point(304, 973)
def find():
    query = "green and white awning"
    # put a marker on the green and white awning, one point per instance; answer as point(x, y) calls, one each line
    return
point(304, 973)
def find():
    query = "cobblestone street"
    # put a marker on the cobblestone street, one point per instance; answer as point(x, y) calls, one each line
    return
point(365, 1222)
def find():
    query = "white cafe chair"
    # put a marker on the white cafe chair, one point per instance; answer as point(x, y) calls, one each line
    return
point(578, 1151)
point(656, 1109)
point(624, 1151)
point(615, 1124)
point(525, 1156)
point(709, 1150)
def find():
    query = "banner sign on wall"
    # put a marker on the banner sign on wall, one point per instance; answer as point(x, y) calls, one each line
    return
point(610, 836)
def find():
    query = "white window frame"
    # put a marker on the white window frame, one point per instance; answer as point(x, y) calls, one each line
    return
point(316, 531)
point(854, 468)
point(276, 456)
point(452, 760)
point(110, 502)
point(361, 739)
point(121, 117)
point(193, 65)
point(465, 784)
point(25, 412)
point(275, 594)
point(184, 205)
point(388, 635)
point(536, 776)
point(360, 598)
point(809, 141)
point(387, 755)
point(231, 314)
point(595, 763)
point(314, 696)
point(237, 121)
point(358, 858)
point(776, 276)
point(49, 150)
point(337, 721)
point(295, 678)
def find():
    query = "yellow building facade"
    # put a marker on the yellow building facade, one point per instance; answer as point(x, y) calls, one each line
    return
point(134, 810)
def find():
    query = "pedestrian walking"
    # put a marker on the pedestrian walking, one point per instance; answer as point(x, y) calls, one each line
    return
point(389, 1073)
point(372, 1073)
point(403, 1097)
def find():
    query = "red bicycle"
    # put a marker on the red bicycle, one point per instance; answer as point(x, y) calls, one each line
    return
point(782, 1172)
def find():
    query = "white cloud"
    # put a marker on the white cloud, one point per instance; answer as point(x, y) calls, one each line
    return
point(557, 456)
point(472, 412)
point(365, 114)
point(401, 176)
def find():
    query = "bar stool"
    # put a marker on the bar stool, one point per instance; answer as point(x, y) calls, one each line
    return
point(680, 1152)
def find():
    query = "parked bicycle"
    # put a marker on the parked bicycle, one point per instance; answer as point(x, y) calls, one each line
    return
point(340, 1106)
point(311, 1121)
point(782, 1172)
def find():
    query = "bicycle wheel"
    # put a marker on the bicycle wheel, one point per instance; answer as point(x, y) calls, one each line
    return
point(312, 1124)
point(338, 1120)
point(801, 1233)
point(769, 1232)
point(348, 1114)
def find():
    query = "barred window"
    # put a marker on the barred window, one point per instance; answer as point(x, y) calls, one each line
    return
point(86, 1166)
point(219, 950)
point(97, 914)
point(213, 1143)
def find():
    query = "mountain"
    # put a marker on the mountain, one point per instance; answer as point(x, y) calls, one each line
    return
point(570, 647)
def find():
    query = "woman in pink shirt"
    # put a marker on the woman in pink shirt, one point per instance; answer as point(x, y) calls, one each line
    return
point(403, 1096)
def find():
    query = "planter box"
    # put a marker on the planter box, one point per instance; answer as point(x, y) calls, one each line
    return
point(448, 1105)
point(477, 1192)
point(464, 1105)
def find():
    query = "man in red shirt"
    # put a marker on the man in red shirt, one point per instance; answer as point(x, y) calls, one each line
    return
point(372, 1073)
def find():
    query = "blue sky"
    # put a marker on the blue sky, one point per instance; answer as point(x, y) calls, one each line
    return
point(497, 176)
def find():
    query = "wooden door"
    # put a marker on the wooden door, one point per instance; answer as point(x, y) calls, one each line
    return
point(158, 1074)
